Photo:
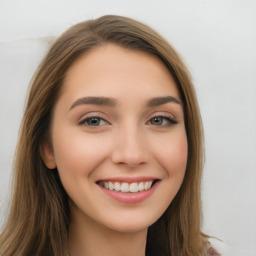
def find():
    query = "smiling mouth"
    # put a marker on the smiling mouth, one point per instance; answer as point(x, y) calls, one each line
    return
point(126, 187)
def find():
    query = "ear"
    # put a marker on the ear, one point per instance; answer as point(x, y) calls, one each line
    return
point(47, 154)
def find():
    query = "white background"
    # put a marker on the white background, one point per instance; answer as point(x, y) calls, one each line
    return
point(218, 42)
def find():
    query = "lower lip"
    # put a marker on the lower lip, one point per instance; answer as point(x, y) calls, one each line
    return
point(130, 198)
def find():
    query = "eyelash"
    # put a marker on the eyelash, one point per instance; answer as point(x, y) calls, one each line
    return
point(170, 121)
point(88, 119)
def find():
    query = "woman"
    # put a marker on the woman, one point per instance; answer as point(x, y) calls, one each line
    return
point(110, 154)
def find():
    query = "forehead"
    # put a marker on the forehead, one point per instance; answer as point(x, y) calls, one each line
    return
point(111, 68)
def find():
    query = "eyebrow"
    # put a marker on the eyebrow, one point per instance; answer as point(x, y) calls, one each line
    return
point(110, 102)
point(162, 100)
point(102, 101)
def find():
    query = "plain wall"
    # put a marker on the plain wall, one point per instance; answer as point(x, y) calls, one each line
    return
point(217, 40)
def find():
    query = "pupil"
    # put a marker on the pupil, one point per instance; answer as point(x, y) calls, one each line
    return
point(94, 121)
point(157, 120)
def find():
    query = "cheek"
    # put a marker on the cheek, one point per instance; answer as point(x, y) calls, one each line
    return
point(172, 154)
point(76, 153)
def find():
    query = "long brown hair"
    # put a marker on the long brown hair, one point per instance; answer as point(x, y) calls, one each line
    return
point(38, 222)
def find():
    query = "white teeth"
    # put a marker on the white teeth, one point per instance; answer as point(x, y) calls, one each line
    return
point(134, 187)
point(110, 186)
point(106, 185)
point(148, 185)
point(117, 186)
point(141, 186)
point(125, 187)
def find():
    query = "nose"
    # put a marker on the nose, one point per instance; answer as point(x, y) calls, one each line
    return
point(130, 148)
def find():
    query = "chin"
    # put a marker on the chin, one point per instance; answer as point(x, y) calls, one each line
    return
point(128, 228)
point(131, 224)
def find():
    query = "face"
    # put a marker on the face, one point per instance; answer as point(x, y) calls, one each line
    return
point(118, 138)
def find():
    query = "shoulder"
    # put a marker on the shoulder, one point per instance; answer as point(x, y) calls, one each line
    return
point(212, 252)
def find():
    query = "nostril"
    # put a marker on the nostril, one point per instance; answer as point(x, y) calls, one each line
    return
point(129, 158)
point(130, 150)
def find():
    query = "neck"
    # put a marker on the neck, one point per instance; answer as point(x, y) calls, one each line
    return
point(88, 238)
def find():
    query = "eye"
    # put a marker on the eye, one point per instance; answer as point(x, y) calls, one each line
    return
point(93, 121)
point(162, 121)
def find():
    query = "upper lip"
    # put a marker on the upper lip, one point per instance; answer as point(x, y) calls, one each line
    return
point(129, 179)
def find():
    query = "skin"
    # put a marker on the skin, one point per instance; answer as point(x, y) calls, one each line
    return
point(122, 140)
